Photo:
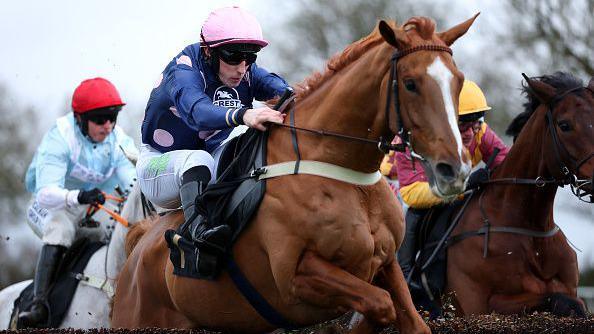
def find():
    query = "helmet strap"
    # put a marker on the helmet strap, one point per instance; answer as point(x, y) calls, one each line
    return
point(83, 124)
point(82, 120)
point(212, 58)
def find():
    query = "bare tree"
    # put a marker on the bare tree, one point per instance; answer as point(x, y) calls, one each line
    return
point(555, 34)
point(18, 139)
point(318, 29)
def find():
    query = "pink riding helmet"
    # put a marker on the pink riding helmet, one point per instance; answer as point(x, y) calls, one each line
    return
point(232, 25)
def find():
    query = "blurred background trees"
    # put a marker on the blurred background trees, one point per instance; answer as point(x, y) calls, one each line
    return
point(513, 36)
point(553, 34)
point(19, 136)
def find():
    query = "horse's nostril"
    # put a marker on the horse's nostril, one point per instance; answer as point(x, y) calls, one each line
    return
point(446, 171)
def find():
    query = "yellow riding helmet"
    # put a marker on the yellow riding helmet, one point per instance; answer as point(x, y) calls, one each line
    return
point(472, 99)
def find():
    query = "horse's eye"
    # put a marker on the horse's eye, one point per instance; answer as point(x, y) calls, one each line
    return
point(410, 85)
point(564, 126)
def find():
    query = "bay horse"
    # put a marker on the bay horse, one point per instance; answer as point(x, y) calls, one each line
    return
point(317, 245)
point(524, 262)
point(90, 304)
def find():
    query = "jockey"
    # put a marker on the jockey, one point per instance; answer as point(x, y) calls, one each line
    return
point(479, 140)
point(81, 157)
point(389, 170)
point(202, 95)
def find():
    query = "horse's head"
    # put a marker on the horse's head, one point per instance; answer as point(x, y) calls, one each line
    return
point(569, 116)
point(429, 85)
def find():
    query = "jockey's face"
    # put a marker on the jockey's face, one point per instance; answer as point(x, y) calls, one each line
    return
point(468, 130)
point(98, 132)
point(231, 75)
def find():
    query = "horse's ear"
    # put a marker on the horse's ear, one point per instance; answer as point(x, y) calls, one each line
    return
point(543, 91)
point(397, 38)
point(451, 35)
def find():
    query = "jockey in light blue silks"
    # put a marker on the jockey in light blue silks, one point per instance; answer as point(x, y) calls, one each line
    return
point(203, 93)
point(79, 159)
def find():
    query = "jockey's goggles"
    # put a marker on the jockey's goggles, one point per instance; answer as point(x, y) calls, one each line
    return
point(102, 119)
point(464, 126)
point(236, 57)
point(101, 116)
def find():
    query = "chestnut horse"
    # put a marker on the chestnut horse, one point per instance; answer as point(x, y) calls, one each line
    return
point(317, 244)
point(525, 262)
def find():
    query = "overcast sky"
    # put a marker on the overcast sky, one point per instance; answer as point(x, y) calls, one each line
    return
point(48, 47)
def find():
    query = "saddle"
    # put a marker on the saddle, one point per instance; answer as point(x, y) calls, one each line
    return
point(427, 285)
point(64, 286)
point(233, 199)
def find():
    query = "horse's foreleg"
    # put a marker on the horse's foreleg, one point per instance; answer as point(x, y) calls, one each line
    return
point(322, 283)
point(409, 321)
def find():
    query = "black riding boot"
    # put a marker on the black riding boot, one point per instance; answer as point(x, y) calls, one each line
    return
point(48, 262)
point(408, 249)
point(210, 236)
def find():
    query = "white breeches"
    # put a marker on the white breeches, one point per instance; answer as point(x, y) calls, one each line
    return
point(159, 174)
point(61, 226)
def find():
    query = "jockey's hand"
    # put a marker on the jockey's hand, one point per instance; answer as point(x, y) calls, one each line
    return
point(477, 177)
point(255, 118)
point(93, 197)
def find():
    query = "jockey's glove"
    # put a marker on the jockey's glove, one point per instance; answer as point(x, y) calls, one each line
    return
point(477, 177)
point(93, 197)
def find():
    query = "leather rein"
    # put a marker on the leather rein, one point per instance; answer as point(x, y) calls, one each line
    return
point(383, 144)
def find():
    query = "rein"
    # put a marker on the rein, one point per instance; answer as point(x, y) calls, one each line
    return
point(382, 144)
point(487, 229)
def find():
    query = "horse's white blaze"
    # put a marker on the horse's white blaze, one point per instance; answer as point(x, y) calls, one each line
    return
point(443, 76)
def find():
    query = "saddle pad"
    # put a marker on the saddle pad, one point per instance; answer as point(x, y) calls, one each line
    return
point(235, 197)
point(62, 290)
point(231, 200)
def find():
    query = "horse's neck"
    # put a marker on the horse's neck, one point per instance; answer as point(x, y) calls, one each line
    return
point(133, 213)
point(116, 252)
point(348, 103)
point(533, 205)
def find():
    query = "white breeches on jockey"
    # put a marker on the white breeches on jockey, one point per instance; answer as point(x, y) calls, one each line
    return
point(160, 174)
point(61, 226)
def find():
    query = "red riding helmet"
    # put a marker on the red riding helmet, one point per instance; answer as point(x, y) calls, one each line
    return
point(93, 94)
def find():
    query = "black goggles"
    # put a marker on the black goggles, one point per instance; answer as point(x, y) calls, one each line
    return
point(103, 118)
point(236, 57)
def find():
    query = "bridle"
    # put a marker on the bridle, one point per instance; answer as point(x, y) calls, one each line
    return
point(383, 144)
point(402, 132)
point(577, 185)
point(569, 176)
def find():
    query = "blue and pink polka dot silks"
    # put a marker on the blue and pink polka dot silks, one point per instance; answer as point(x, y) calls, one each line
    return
point(191, 109)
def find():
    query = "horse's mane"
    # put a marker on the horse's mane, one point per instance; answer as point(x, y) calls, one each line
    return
point(561, 81)
point(136, 232)
point(341, 60)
